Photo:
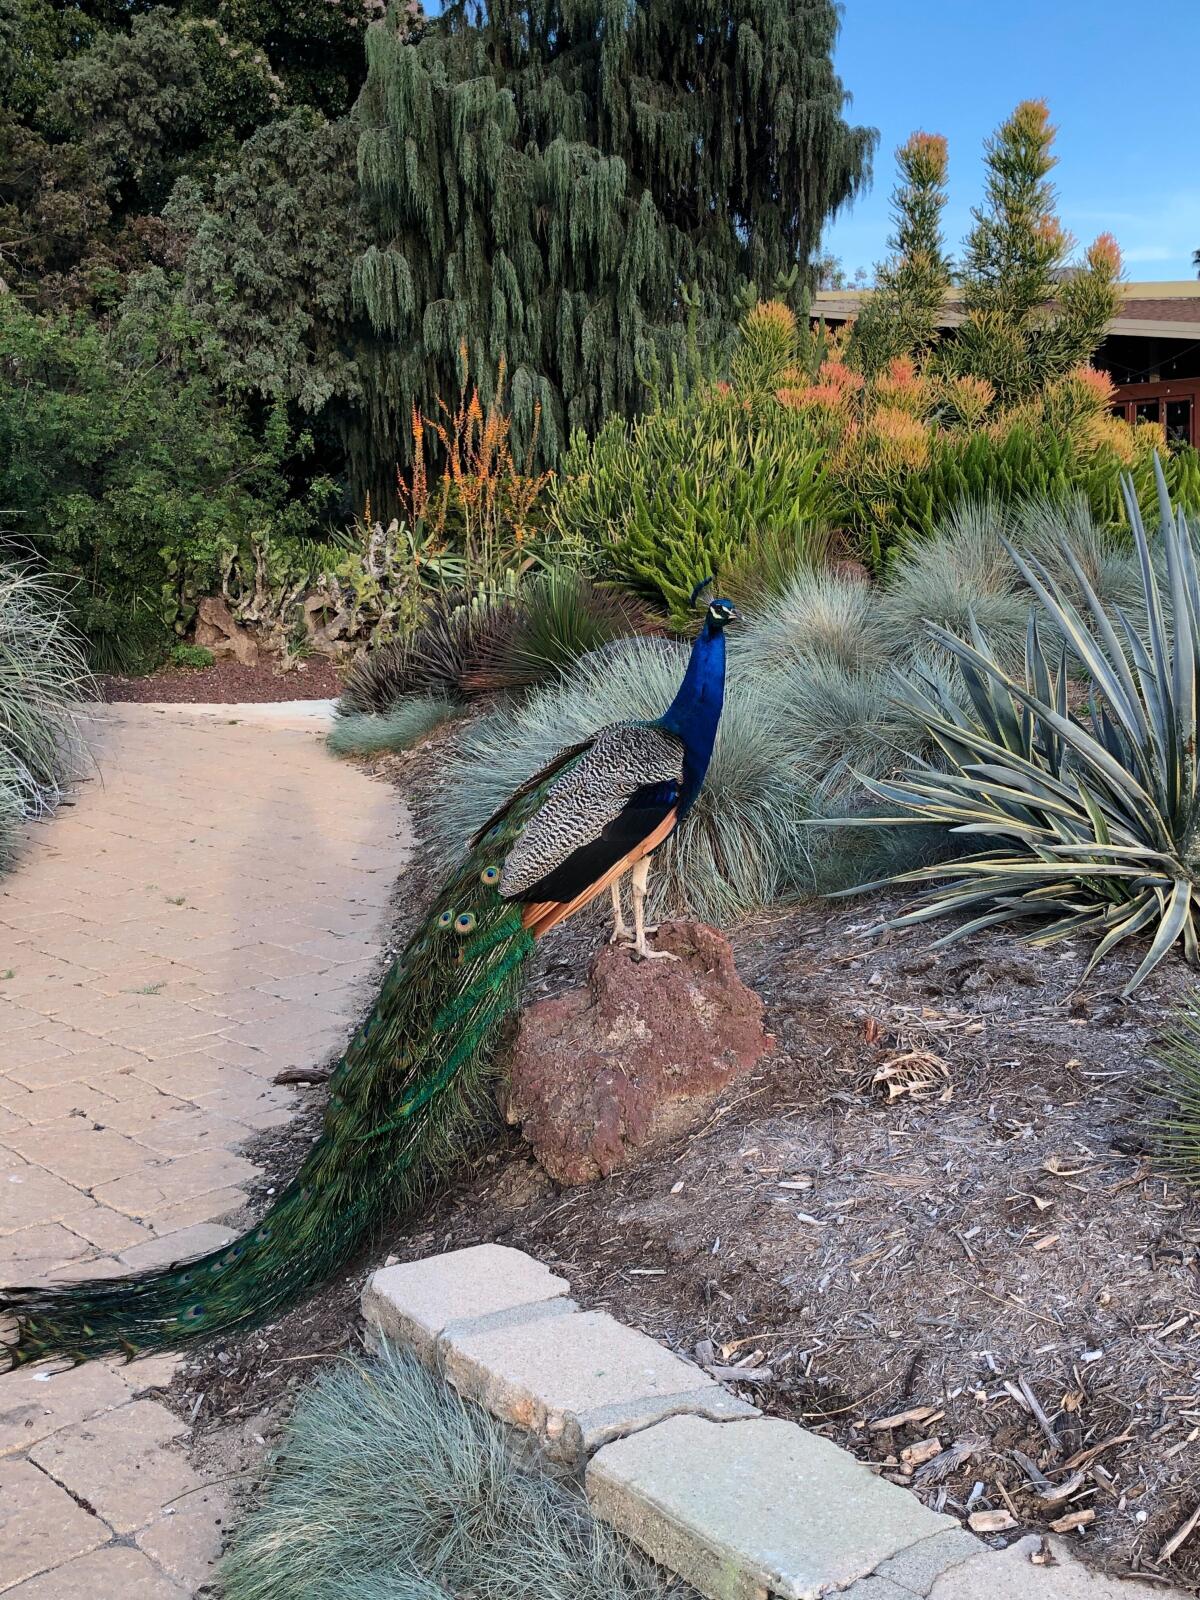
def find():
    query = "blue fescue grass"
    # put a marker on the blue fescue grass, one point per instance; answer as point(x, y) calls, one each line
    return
point(409, 721)
point(389, 1487)
point(43, 677)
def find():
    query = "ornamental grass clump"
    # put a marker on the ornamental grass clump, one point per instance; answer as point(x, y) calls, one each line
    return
point(1089, 818)
point(43, 677)
point(477, 645)
point(1177, 1055)
point(388, 1485)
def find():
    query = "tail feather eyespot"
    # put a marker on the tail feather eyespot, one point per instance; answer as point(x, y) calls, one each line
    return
point(464, 923)
point(490, 875)
point(446, 918)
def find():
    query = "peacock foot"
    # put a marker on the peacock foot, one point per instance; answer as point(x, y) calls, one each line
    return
point(642, 949)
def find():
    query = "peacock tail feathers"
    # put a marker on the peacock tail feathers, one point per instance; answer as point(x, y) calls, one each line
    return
point(403, 1100)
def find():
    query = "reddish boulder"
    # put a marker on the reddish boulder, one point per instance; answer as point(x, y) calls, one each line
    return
point(636, 1058)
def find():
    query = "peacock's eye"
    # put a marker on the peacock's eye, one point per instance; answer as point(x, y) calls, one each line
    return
point(490, 875)
point(465, 922)
point(193, 1313)
point(446, 918)
point(262, 1235)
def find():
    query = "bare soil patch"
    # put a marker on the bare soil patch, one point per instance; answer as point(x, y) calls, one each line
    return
point(226, 682)
point(1003, 1258)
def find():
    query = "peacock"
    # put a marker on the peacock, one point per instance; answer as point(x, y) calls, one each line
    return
point(412, 1079)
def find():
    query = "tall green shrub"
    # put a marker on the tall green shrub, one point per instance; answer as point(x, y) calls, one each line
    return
point(903, 315)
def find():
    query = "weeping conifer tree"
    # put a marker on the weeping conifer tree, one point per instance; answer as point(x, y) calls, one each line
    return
point(559, 181)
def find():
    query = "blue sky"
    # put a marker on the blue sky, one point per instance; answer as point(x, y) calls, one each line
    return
point(1123, 84)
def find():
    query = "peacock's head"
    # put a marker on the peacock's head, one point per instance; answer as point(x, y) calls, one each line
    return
point(718, 612)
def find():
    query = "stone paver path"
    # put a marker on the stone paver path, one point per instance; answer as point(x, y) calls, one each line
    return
point(211, 910)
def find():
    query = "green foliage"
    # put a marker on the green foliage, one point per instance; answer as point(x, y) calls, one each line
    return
point(1013, 266)
point(545, 179)
point(399, 728)
point(124, 468)
point(440, 659)
point(267, 270)
point(388, 1484)
point(191, 655)
point(820, 615)
point(1032, 457)
point(171, 95)
point(42, 680)
point(962, 573)
point(679, 495)
point(902, 317)
point(1090, 820)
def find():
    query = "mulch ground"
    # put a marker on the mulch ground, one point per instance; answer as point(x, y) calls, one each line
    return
point(987, 1287)
point(226, 682)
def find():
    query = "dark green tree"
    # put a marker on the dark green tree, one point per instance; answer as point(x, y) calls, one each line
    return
point(547, 179)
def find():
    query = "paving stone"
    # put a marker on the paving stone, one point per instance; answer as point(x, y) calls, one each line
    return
point(28, 1195)
point(107, 1230)
point(414, 1302)
point(121, 1463)
point(115, 1573)
point(223, 1205)
point(918, 1567)
point(186, 1539)
point(140, 1194)
point(35, 1402)
point(82, 1154)
point(48, 1244)
point(40, 1525)
point(743, 1508)
point(197, 1240)
point(576, 1380)
point(876, 1589)
point(1010, 1575)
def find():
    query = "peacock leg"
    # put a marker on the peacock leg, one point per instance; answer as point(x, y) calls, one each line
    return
point(640, 877)
point(622, 933)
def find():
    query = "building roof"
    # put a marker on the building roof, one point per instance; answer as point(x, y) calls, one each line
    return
point(1150, 310)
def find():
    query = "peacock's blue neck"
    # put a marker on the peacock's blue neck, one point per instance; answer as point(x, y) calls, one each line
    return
point(694, 713)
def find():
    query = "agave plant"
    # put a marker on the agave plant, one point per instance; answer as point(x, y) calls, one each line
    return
point(1091, 821)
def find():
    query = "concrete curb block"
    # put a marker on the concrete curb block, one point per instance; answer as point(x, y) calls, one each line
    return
point(742, 1506)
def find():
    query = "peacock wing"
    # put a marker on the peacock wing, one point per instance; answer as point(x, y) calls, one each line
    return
point(606, 808)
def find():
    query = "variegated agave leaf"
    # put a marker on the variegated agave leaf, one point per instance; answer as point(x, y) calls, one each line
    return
point(1087, 822)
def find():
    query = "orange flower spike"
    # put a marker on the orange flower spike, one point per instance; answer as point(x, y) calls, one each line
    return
point(1097, 383)
point(1104, 255)
point(840, 375)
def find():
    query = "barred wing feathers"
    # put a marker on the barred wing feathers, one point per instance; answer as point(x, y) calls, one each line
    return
point(609, 808)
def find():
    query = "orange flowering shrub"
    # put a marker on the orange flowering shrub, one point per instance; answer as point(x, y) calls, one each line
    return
point(902, 388)
point(483, 505)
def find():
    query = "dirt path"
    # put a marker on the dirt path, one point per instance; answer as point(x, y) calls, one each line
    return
point(210, 911)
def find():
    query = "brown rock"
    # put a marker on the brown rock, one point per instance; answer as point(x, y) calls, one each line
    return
point(634, 1059)
point(217, 631)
